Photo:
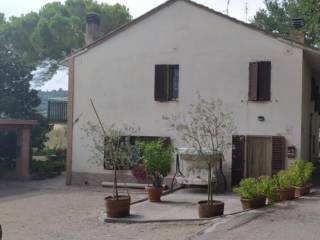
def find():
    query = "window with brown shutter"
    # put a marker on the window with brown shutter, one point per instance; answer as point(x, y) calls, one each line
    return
point(253, 81)
point(161, 83)
point(238, 158)
point(259, 81)
point(166, 86)
point(278, 153)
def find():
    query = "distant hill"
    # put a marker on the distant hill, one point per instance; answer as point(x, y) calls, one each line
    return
point(45, 95)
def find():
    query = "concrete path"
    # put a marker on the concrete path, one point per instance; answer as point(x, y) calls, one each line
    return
point(295, 220)
point(49, 210)
point(181, 204)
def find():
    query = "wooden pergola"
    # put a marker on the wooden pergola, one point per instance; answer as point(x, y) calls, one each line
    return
point(23, 130)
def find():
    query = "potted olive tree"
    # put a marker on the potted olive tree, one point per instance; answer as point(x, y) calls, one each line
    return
point(156, 159)
point(251, 193)
point(301, 174)
point(112, 149)
point(207, 130)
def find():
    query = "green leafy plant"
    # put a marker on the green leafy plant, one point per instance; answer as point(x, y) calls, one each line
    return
point(43, 152)
point(309, 168)
point(46, 168)
point(301, 172)
point(267, 186)
point(248, 189)
point(156, 160)
point(284, 179)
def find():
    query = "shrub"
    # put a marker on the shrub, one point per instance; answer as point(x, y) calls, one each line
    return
point(156, 160)
point(43, 152)
point(301, 172)
point(267, 186)
point(284, 179)
point(248, 189)
point(309, 168)
point(46, 167)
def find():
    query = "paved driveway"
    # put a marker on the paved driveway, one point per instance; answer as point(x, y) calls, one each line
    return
point(295, 220)
point(49, 210)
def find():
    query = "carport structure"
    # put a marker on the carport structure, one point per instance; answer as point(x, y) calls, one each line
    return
point(22, 128)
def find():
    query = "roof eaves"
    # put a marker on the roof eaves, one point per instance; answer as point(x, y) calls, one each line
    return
point(168, 3)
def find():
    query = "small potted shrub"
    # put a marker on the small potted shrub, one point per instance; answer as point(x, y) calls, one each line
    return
point(250, 193)
point(156, 160)
point(301, 173)
point(268, 187)
point(284, 181)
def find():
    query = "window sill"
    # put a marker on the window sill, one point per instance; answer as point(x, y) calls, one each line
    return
point(168, 101)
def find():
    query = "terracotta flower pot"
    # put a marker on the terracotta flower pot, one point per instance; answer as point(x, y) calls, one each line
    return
point(308, 188)
point(216, 208)
point(301, 191)
point(253, 203)
point(154, 193)
point(286, 194)
point(117, 208)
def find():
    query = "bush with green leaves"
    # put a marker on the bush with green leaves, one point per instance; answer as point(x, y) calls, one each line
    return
point(156, 160)
point(301, 172)
point(43, 152)
point(249, 188)
point(284, 179)
point(267, 186)
point(46, 167)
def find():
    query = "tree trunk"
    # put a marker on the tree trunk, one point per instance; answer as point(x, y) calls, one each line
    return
point(115, 183)
point(209, 184)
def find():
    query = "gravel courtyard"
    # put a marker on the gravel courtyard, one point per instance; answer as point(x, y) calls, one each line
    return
point(49, 210)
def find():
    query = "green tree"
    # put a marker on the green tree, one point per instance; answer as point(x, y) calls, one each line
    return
point(17, 100)
point(45, 37)
point(277, 15)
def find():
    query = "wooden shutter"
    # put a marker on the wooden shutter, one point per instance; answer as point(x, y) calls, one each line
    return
point(238, 156)
point(173, 82)
point(161, 85)
point(253, 81)
point(278, 153)
point(264, 81)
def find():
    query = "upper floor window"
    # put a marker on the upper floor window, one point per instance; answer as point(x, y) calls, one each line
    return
point(259, 81)
point(166, 87)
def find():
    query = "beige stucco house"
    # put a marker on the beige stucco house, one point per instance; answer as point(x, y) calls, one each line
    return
point(265, 80)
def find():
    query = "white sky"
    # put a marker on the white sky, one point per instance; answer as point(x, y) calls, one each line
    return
point(137, 7)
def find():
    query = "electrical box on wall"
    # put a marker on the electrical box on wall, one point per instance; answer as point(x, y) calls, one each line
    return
point(292, 152)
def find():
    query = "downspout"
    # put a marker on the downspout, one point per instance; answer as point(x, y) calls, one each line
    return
point(310, 137)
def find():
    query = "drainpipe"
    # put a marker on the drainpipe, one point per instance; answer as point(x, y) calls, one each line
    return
point(310, 137)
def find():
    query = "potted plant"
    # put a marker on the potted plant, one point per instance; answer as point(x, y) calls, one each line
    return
point(267, 186)
point(284, 182)
point(207, 132)
point(113, 150)
point(156, 160)
point(250, 192)
point(301, 173)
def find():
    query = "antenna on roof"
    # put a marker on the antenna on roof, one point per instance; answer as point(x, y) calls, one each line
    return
point(246, 11)
point(228, 4)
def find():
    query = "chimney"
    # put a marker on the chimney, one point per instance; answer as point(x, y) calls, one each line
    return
point(92, 27)
point(297, 33)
